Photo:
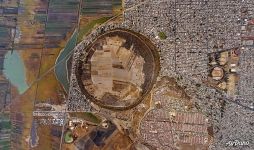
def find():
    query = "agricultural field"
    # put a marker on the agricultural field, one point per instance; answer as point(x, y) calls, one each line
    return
point(43, 34)
point(5, 129)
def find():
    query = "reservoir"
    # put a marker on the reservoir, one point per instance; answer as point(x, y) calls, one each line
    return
point(14, 70)
point(61, 69)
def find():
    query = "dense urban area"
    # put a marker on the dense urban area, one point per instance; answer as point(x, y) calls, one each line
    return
point(126, 74)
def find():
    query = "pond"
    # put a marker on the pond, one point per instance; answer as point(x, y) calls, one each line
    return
point(14, 71)
point(61, 69)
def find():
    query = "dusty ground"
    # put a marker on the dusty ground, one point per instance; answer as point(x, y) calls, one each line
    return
point(118, 81)
point(117, 142)
point(139, 113)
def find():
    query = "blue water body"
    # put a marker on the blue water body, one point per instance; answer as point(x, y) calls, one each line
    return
point(14, 70)
point(33, 134)
point(61, 69)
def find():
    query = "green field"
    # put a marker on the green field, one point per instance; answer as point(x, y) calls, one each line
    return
point(87, 116)
point(5, 145)
point(68, 137)
point(162, 35)
point(87, 28)
point(5, 126)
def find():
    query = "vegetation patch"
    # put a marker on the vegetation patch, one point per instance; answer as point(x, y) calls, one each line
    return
point(162, 35)
point(87, 28)
point(87, 116)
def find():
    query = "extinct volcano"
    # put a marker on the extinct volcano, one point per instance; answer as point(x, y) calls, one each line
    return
point(118, 69)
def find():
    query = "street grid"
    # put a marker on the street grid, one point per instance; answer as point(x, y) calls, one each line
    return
point(194, 28)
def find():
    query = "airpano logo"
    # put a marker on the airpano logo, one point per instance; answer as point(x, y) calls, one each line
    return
point(236, 143)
